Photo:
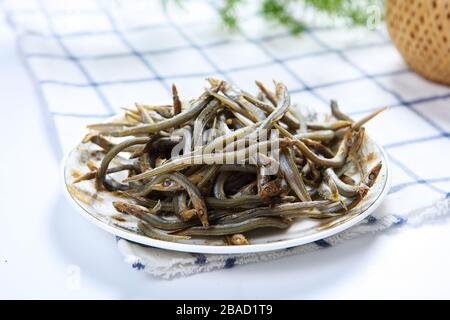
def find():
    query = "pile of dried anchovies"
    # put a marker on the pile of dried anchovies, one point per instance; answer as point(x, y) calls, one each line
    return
point(221, 183)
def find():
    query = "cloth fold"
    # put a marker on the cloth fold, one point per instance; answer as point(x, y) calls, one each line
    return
point(167, 264)
point(90, 58)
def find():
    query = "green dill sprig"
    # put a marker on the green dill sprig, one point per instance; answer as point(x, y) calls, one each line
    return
point(284, 13)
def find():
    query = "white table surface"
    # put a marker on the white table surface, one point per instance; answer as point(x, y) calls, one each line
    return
point(43, 239)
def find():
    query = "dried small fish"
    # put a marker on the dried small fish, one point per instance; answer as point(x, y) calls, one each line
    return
point(233, 228)
point(229, 162)
point(337, 161)
point(152, 219)
point(100, 179)
point(293, 176)
point(337, 113)
point(283, 103)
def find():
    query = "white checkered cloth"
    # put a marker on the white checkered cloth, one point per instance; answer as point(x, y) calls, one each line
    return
point(89, 58)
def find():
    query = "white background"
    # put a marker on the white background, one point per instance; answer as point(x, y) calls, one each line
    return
point(43, 240)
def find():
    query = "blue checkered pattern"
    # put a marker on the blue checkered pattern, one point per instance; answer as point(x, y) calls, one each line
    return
point(89, 58)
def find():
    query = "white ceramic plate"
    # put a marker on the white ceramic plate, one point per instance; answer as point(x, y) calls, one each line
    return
point(97, 208)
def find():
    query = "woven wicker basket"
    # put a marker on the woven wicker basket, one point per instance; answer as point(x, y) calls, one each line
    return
point(421, 31)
